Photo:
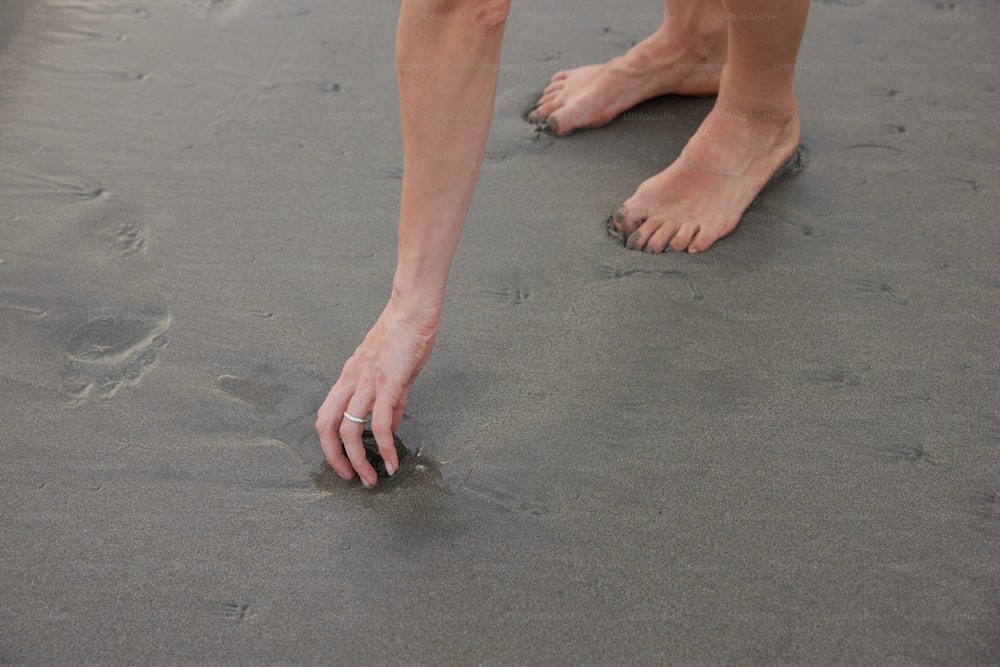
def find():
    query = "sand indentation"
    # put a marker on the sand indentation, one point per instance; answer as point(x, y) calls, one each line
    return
point(109, 352)
point(119, 226)
point(508, 295)
point(236, 611)
point(210, 9)
point(111, 337)
point(618, 272)
point(836, 377)
point(260, 394)
point(103, 8)
point(878, 288)
point(506, 500)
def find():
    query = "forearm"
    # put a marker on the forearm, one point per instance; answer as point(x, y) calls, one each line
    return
point(447, 56)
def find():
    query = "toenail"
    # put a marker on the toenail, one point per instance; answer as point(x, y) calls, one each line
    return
point(613, 230)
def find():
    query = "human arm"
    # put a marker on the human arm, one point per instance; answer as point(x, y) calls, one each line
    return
point(447, 56)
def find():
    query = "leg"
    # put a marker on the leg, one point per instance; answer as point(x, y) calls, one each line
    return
point(752, 130)
point(684, 56)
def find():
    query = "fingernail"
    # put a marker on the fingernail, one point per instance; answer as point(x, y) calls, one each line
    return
point(633, 239)
point(389, 469)
point(364, 483)
point(344, 477)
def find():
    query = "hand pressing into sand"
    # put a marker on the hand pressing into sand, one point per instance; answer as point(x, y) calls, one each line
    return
point(376, 380)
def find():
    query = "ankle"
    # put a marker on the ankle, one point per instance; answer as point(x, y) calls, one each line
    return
point(780, 107)
point(700, 31)
point(689, 42)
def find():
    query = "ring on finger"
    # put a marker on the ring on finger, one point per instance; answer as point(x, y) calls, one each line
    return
point(351, 418)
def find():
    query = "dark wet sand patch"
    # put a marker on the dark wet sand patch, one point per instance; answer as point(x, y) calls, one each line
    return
point(415, 471)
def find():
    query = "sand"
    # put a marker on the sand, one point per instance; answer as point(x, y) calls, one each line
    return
point(780, 451)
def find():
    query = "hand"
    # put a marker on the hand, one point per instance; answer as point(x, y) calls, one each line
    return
point(376, 379)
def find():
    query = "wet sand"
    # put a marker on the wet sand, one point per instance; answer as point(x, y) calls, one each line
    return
point(781, 451)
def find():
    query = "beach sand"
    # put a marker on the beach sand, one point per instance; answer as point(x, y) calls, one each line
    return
point(784, 450)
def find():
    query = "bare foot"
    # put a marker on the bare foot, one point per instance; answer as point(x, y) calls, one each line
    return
point(593, 96)
point(701, 196)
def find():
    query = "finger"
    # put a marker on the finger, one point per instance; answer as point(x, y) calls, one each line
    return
point(350, 434)
point(397, 414)
point(327, 425)
point(382, 428)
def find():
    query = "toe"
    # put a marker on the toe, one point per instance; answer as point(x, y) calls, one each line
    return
point(681, 239)
point(575, 116)
point(623, 223)
point(556, 123)
point(639, 239)
point(554, 87)
point(660, 239)
point(707, 236)
point(548, 97)
point(702, 241)
point(559, 76)
point(542, 113)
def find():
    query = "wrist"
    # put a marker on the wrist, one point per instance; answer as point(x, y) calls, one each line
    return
point(417, 300)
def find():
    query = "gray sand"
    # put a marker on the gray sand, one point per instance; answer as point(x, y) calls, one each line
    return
point(781, 451)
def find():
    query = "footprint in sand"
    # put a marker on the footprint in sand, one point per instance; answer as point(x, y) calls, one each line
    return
point(236, 611)
point(110, 352)
point(509, 501)
point(255, 392)
point(103, 7)
point(209, 9)
point(120, 226)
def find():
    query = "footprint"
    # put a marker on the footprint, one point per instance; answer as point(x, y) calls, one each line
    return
point(110, 352)
point(900, 452)
point(395, 172)
point(617, 272)
point(987, 504)
point(236, 611)
point(259, 394)
point(208, 9)
point(837, 377)
point(121, 227)
point(878, 288)
point(81, 34)
point(111, 337)
point(506, 500)
point(508, 295)
point(103, 7)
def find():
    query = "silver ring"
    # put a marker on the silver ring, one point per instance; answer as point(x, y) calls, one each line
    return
point(357, 420)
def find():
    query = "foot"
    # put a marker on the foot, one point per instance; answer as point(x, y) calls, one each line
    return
point(593, 96)
point(700, 197)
